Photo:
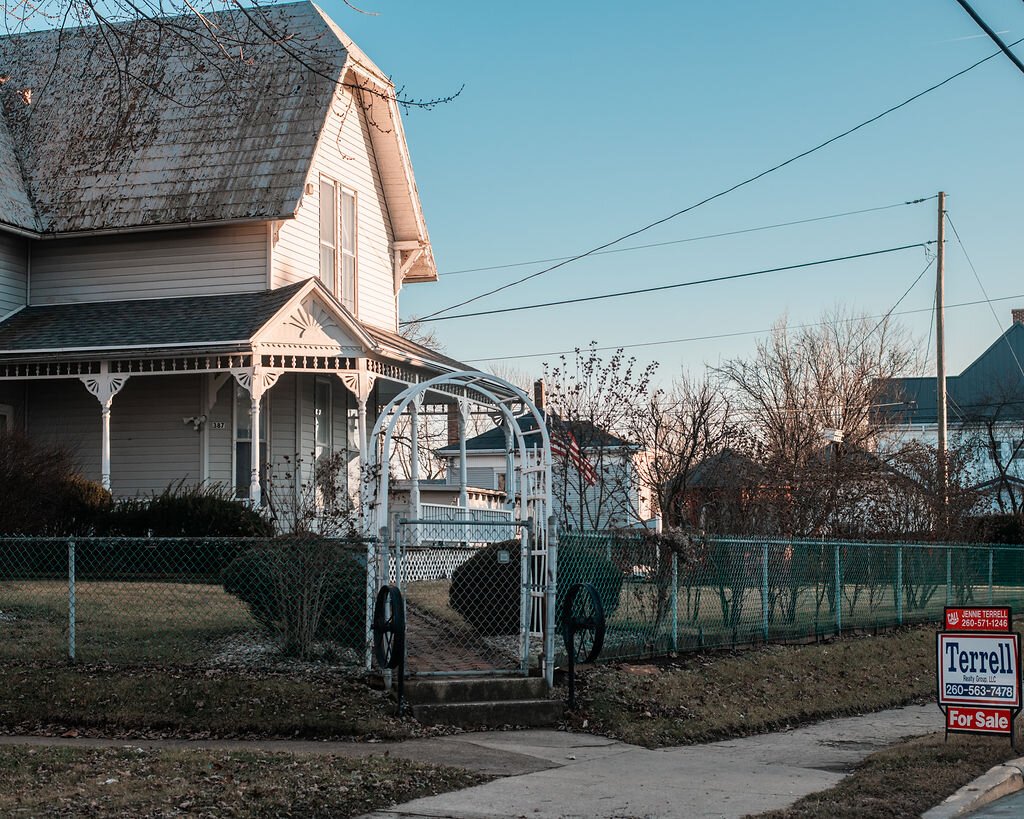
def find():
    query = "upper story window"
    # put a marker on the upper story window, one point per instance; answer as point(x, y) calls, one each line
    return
point(338, 231)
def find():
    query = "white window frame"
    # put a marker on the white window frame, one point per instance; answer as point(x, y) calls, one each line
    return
point(329, 243)
point(345, 252)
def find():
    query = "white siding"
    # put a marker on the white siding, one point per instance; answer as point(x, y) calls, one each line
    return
point(13, 272)
point(344, 154)
point(220, 441)
point(150, 446)
point(203, 261)
point(282, 455)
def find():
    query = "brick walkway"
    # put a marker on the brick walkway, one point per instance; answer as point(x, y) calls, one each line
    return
point(436, 645)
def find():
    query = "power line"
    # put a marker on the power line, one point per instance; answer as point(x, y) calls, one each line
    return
point(995, 38)
point(977, 278)
point(675, 286)
point(738, 232)
point(735, 334)
point(723, 192)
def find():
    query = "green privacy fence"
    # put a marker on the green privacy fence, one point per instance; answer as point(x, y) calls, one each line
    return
point(215, 602)
point(723, 592)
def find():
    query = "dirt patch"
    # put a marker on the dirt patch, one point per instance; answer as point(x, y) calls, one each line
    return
point(136, 782)
point(904, 780)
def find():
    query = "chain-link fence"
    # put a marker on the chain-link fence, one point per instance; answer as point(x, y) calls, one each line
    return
point(229, 602)
point(722, 592)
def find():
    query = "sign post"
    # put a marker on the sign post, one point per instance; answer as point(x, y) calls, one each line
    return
point(978, 670)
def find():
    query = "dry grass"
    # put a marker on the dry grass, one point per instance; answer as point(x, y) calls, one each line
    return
point(904, 780)
point(125, 621)
point(136, 782)
point(187, 702)
point(716, 695)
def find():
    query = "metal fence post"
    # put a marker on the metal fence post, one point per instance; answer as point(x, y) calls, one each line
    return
point(839, 589)
point(899, 585)
point(949, 575)
point(764, 591)
point(71, 599)
point(675, 601)
point(990, 551)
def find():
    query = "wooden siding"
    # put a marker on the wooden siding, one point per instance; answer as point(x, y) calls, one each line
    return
point(345, 154)
point(220, 441)
point(150, 446)
point(13, 272)
point(203, 261)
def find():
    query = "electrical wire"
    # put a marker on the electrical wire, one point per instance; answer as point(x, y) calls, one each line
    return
point(725, 191)
point(715, 336)
point(677, 285)
point(738, 232)
point(988, 301)
point(992, 34)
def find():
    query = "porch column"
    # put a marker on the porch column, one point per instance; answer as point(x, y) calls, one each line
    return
point(257, 381)
point(104, 387)
point(414, 459)
point(463, 493)
point(510, 467)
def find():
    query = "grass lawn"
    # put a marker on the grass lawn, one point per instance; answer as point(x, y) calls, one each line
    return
point(136, 782)
point(119, 622)
point(106, 700)
point(904, 780)
point(714, 695)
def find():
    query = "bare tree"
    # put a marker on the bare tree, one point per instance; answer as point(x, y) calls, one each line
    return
point(813, 400)
point(679, 430)
point(994, 430)
point(591, 405)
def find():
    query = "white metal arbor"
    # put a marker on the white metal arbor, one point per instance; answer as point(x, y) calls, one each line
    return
point(528, 489)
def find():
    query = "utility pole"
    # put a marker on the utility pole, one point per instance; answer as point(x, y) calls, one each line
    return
point(940, 352)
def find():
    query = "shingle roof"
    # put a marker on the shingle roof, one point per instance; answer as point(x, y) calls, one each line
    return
point(197, 320)
point(411, 348)
point(992, 383)
point(235, 143)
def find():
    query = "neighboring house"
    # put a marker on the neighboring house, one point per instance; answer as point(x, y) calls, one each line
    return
point(595, 484)
point(985, 417)
point(206, 287)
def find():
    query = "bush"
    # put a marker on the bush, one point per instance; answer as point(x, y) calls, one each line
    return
point(486, 592)
point(582, 562)
point(305, 590)
point(41, 492)
point(205, 510)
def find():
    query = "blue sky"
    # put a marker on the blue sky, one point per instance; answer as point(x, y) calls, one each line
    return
point(581, 121)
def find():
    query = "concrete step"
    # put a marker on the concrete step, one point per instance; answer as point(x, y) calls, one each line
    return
point(535, 713)
point(474, 689)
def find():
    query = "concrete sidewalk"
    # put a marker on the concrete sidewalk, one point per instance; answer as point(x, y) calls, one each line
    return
point(547, 773)
point(589, 776)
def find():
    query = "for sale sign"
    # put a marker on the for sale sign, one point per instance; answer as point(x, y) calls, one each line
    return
point(978, 619)
point(979, 669)
point(979, 720)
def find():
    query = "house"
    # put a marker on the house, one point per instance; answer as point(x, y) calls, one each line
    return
point(200, 268)
point(985, 418)
point(595, 480)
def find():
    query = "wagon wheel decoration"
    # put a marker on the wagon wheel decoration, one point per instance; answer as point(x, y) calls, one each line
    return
point(389, 627)
point(583, 623)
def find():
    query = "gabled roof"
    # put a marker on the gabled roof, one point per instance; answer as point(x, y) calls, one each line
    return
point(193, 137)
point(992, 384)
point(493, 440)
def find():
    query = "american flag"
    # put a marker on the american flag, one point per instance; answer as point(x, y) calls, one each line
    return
point(565, 445)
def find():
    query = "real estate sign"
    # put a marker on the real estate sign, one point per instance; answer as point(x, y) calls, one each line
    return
point(979, 673)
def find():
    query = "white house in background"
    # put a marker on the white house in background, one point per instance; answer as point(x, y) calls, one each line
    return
point(596, 486)
point(985, 417)
point(210, 285)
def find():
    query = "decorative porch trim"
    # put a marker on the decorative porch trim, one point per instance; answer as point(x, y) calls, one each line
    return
point(104, 386)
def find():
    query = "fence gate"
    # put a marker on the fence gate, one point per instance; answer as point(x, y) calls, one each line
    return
point(468, 584)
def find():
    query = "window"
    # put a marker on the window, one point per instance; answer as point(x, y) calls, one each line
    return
point(323, 440)
point(348, 250)
point(338, 232)
point(6, 418)
point(243, 443)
